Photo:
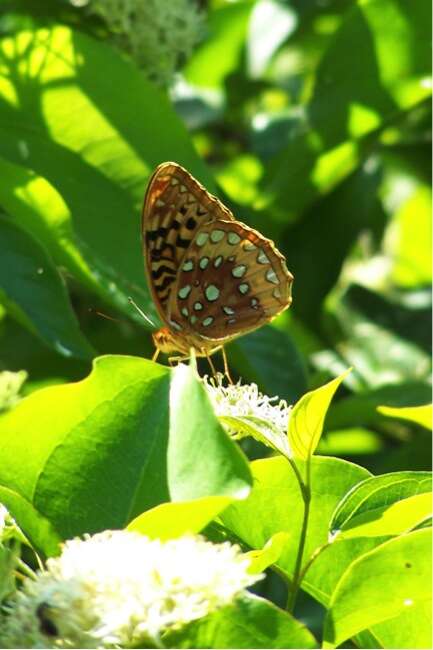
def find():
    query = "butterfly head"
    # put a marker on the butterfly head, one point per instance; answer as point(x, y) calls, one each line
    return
point(167, 342)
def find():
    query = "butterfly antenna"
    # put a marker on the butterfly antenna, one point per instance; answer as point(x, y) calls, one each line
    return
point(102, 315)
point(140, 311)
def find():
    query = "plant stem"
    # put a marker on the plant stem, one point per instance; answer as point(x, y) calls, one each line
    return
point(298, 574)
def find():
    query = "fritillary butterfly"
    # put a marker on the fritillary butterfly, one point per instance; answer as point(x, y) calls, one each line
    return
point(212, 278)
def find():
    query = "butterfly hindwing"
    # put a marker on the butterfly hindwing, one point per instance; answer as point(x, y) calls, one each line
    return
point(231, 280)
point(175, 207)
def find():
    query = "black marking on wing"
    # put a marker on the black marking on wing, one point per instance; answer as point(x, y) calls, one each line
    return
point(164, 284)
point(183, 243)
point(161, 270)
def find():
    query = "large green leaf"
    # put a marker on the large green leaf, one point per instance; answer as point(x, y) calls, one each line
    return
point(33, 291)
point(36, 206)
point(96, 152)
point(400, 570)
point(250, 622)
point(325, 572)
point(377, 64)
point(275, 505)
point(379, 492)
point(108, 449)
point(196, 436)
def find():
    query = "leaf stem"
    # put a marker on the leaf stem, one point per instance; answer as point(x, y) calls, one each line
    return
point(298, 574)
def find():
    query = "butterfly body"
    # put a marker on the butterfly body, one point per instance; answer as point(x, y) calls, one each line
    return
point(212, 277)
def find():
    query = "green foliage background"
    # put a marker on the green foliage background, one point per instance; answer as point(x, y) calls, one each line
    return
point(311, 121)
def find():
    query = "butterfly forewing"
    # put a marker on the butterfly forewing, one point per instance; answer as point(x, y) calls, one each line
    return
point(175, 208)
point(231, 280)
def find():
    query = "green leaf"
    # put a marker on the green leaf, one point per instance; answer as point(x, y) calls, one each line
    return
point(325, 572)
point(269, 554)
point(399, 517)
point(250, 622)
point(37, 527)
point(97, 153)
point(108, 449)
point(275, 505)
point(33, 292)
point(350, 442)
point(220, 53)
point(411, 248)
point(36, 206)
point(170, 520)
point(194, 428)
point(421, 415)
point(8, 561)
point(392, 581)
point(261, 430)
point(379, 492)
point(307, 418)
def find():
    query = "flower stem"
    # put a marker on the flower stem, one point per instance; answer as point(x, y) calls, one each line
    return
point(305, 488)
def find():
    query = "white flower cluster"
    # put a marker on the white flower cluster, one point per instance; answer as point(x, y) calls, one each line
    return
point(159, 35)
point(244, 410)
point(119, 588)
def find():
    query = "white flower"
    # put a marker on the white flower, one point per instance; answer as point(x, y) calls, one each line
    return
point(245, 411)
point(160, 36)
point(3, 514)
point(10, 386)
point(119, 588)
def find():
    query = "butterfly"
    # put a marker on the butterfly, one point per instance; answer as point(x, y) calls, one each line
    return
point(212, 278)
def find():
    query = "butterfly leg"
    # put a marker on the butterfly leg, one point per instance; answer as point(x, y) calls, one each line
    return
point(226, 365)
point(175, 360)
point(156, 354)
point(209, 360)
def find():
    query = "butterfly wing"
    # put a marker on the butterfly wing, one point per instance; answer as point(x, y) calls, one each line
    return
point(231, 281)
point(175, 207)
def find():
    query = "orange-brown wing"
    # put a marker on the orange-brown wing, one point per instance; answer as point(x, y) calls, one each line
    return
point(175, 207)
point(232, 280)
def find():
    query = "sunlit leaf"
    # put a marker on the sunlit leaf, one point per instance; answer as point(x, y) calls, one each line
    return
point(307, 418)
point(275, 505)
point(419, 414)
point(92, 149)
point(114, 438)
point(250, 622)
point(269, 554)
point(220, 53)
point(366, 595)
point(170, 520)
